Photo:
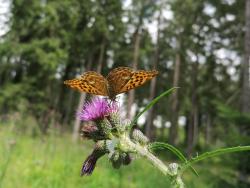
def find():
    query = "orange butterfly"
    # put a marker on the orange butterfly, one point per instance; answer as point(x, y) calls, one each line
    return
point(119, 80)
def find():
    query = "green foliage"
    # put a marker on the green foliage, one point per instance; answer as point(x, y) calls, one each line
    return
point(232, 116)
point(152, 103)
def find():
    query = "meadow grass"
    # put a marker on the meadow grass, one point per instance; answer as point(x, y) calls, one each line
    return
point(55, 161)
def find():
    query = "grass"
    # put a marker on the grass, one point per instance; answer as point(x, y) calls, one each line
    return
point(54, 161)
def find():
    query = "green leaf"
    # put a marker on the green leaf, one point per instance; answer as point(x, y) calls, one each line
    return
point(155, 100)
point(160, 145)
point(215, 153)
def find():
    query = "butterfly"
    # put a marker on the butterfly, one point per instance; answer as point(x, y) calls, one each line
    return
point(119, 80)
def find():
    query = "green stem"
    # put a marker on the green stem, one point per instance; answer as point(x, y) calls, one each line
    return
point(127, 145)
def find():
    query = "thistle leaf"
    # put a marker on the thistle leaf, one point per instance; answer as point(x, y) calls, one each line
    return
point(215, 153)
point(160, 145)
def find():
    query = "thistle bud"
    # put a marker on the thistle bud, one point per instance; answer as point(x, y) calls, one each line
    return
point(104, 126)
point(90, 131)
point(138, 136)
point(101, 146)
point(173, 167)
point(115, 121)
point(126, 124)
point(89, 164)
point(116, 160)
point(126, 159)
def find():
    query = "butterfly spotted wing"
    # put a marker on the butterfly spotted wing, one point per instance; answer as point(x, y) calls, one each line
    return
point(90, 82)
point(137, 79)
point(117, 79)
point(123, 79)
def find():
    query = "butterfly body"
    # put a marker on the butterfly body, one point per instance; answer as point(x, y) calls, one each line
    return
point(119, 80)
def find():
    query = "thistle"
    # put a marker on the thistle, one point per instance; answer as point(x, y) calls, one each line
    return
point(117, 139)
point(97, 109)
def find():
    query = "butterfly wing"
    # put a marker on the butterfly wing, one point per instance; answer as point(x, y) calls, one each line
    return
point(90, 82)
point(137, 79)
point(118, 78)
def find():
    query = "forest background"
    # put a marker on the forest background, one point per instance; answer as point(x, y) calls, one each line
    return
point(203, 47)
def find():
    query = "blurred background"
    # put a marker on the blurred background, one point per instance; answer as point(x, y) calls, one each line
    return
point(201, 46)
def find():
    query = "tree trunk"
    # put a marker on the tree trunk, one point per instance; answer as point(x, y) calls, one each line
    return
point(150, 130)
point(137, 40)
point(60, 108)
point(245, 96)
point(131, 94)
point(208, 129)
point(193, 125)
point(173, 134)
point(101, 56)
point(77, 123)
point(68, 110)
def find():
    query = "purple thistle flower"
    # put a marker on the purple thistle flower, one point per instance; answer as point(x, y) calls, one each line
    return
point(96, 109)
